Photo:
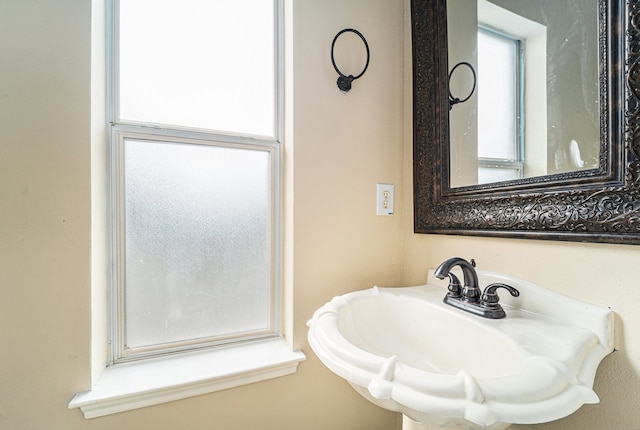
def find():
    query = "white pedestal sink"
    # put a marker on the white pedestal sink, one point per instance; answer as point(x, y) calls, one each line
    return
point(405, 350)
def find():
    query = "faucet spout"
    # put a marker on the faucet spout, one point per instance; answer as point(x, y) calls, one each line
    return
point(470, 276)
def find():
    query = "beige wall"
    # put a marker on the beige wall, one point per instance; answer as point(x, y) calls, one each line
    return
point(344, 145)
point(338, 148)
point(597, 273)
point(601, 274)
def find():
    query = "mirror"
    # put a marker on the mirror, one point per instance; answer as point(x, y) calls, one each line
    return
point(534, 111)
point(600, 203)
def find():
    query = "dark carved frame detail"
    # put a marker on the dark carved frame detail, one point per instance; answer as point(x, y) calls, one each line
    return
point(599, 205)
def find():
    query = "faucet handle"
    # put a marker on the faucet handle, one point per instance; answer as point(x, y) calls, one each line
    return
point(490, 296)
point(489, 300)
point(455, 287)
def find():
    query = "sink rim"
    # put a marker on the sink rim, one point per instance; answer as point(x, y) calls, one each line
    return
point(554, 387)
point(360, 335)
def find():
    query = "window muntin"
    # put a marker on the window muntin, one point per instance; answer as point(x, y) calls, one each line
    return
point(195, 179)
point(500, 107)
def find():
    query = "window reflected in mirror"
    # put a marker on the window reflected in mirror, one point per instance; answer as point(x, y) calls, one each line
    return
point(536, 108)
point(500, 119)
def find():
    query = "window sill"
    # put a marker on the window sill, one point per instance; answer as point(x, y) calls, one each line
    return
point(145, 383)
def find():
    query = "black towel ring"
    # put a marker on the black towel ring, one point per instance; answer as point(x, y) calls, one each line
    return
point(454, 100)
point(344, 82)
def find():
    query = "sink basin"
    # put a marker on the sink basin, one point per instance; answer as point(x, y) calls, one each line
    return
point(407, 351)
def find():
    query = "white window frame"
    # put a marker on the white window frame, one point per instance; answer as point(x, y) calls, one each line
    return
point(122, 130)
point(125, 385)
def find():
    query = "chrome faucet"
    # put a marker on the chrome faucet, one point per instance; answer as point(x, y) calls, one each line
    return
point(468, 297)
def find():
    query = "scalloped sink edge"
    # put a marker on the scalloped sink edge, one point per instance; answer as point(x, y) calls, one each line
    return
point(406, 351)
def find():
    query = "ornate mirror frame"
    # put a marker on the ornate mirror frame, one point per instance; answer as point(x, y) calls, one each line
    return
point(598, 205)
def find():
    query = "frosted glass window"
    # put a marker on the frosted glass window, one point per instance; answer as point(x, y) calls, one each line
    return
point(207, 64)
point(497, 96)
point(197, 226)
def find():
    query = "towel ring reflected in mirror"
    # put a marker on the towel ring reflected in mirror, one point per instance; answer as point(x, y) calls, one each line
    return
point(455, 100)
